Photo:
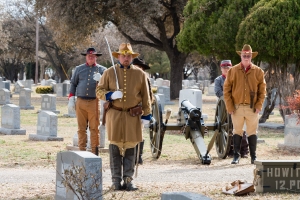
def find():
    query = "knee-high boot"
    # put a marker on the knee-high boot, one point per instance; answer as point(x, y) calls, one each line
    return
point(140, 152)
point(244, 146)
point(128, 169)
point(252, 139)
point(236, 148)
point(115, 159)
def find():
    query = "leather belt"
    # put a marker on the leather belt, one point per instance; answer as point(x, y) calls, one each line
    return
point(119, 109)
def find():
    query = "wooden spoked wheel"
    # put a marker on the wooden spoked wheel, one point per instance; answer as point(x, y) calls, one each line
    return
point(156, 128)
point(224, 125)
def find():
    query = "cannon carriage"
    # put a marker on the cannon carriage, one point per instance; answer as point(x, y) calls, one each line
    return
point(191, 123)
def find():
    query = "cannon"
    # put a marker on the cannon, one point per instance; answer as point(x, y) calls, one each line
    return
point(190, 122)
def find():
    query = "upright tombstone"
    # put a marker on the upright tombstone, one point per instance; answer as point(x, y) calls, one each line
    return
point(291, 133)
point(49, 103)
point(166, 83)
point(211, 90)
point(28, 83)
point(71, 112)
point(66, 88)
point(4, 96)
point(185, 84)
point(165, 91)
point(5, 85)
point(10, 124)
point(18, 87)
point(194, 96)
point(25, 99)
point(59, 89)
point(46, 127)
point(159, 82)
point(79, 172)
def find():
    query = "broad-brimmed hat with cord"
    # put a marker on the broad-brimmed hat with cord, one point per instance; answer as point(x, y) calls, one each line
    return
point(247, 50)
point(140, 62)
point(125, 48)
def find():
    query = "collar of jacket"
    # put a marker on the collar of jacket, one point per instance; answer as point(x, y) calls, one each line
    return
point(93, 65)
point(121, 66)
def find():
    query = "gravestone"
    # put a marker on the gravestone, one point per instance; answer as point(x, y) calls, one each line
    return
point(194, 96)
point(18, 87)
point(89, 180)
point(59, 89)
point(291, 133)
point(162, 101)
point(49, 103)
point(46, 127)
point(185, 84)
point(66, 88)
point(264, 106)
point(211, 90)
point(28, 83)
point(166, 83)
point(10, 124)
point(4, 96)
point(159, 82)
point(25, 99)
point(5, 85)
point(165, 91)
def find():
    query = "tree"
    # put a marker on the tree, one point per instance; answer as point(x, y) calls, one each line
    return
point(272, 28)
point(210, 28)
point(149, 23)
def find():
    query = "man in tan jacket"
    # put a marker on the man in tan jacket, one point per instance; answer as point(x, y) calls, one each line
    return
point(244, 94)
point(125, 86)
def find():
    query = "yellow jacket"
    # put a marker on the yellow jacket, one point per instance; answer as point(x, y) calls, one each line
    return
point(237, 88)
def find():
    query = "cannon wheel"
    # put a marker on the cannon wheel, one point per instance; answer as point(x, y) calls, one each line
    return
point(224, 125)
point(156, 128)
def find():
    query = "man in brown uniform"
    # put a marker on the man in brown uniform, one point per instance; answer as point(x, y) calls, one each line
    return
point(244, 94)
point(125, 86)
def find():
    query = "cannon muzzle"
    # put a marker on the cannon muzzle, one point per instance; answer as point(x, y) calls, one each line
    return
point(194, 112)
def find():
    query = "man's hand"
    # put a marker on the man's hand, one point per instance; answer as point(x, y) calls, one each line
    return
point(145, 122)
point(230, 113)
point(71, 104)
point(257, 111)
point(97, 77)
point(116, 95)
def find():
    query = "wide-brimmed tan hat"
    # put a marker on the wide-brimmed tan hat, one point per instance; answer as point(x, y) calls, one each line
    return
point(248, 50)
point(125, 48)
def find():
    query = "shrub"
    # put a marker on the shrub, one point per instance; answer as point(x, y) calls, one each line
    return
point(44, 90)
point(294, 103)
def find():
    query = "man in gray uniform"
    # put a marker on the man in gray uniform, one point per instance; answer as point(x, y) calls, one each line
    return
point(83, 85)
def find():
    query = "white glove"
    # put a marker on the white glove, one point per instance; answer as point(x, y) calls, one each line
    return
point(146, 123)
point(71, 104)
point(97, 76)
point(116, 95)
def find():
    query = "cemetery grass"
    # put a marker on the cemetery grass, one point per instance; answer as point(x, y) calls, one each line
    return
point(17, 152)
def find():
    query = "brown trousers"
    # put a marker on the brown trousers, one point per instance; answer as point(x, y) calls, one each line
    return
point(86, 112)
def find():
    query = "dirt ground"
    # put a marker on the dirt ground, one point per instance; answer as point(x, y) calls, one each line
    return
point(27, 168)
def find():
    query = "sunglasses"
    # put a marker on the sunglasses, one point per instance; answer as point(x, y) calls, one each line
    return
point(246, 56)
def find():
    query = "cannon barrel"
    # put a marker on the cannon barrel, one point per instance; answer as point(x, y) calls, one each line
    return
point(194, 112)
